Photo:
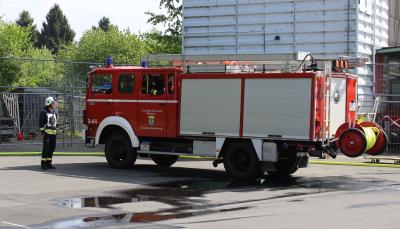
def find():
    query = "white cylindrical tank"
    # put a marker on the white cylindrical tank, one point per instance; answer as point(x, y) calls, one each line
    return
point(325, 28)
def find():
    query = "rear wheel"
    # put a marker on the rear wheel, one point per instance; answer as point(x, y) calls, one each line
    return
point(286, 165)
point(119, 151)
point(241, 161)
point(164, 160)
point(285, 168)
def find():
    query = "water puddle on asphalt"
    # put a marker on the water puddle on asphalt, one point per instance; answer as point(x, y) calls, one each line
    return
point(175, 200)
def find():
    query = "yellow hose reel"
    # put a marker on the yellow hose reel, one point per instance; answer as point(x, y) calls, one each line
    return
point(365, 137)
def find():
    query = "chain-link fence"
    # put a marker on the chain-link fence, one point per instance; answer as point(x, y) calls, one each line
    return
point(389, 118)
point(24, 85)
point(387, 88)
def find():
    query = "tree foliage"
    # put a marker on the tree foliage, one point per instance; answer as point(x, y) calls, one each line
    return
point(157, 42)
point(172, 19)
point(15, 44)
point(56, 31)
point(169, 40)
point(39, 72)
point(25, 20)
point(96, 45)
point(105, 25)
point(14, 41)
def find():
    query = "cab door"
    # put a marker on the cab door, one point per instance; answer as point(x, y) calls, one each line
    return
point(172, 106)
point(152, 103)
point(100, 98)
point(125, 97)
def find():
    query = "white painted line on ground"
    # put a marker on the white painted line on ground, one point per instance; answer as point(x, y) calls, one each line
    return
point(15, 225)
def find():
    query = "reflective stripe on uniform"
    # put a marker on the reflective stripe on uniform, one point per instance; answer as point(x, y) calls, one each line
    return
point(50, 131)
point(41, 128)
point(49, 159)
point(44, 159)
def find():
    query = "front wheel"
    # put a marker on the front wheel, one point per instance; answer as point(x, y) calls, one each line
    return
point(164, 160)
point(119, 151)
point(241, 161)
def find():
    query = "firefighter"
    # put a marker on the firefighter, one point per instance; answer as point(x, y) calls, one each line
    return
point(48, 128)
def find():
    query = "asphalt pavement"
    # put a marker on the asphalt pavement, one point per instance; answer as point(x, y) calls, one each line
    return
point(84, 192)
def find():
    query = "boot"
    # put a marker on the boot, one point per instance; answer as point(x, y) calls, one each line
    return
point(49, 165)
point(44, 165)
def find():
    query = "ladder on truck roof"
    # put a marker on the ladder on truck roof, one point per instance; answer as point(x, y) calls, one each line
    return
point(234, 63)
point(239, 63)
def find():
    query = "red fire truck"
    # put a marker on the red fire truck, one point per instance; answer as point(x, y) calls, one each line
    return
point(254, 120)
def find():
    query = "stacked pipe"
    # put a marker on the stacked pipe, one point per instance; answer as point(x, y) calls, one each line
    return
point(364, 137)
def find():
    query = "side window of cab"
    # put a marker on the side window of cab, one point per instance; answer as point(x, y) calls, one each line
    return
point(126, 83)
point(153, 84)
point(102, 84)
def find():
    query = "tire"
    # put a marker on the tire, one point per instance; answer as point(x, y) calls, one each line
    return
point(241, 161)
point(119, 151)
point(164, 160)
point(286, 167)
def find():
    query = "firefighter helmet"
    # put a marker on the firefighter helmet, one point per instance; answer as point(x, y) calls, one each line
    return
point(49, 100)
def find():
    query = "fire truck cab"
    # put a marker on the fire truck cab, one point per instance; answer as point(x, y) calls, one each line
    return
point(252, 122)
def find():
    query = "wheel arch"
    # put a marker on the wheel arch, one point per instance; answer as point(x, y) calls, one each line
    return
point(229, 141)
point(115, 123)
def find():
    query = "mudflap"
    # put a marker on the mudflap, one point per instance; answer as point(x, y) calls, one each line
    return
point(302, 159)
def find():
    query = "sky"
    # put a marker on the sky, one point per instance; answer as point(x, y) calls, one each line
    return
point(83, 14)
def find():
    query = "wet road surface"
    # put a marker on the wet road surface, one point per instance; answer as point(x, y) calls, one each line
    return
point(192, 195)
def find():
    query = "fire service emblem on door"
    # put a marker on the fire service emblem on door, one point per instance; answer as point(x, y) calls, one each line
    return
point(151, 120)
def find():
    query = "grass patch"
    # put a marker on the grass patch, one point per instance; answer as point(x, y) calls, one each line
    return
point(364, 164)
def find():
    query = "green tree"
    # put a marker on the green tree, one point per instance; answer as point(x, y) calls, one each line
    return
point(96, 45)
point(25, 20)
point(39, 73)
point(56, 31)
point(15, 44)
point(169, 40)
point(14, 41)
point(172, 19)
point(105, 25)
point(158, 42)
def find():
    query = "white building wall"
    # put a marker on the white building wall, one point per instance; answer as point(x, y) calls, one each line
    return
point(373, 34)
point(326, 28)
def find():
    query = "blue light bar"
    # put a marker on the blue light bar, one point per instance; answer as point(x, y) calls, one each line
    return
point(145, 64)
point(109, 61)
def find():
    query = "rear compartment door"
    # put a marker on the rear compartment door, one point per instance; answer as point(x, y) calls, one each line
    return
point(338, 103)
